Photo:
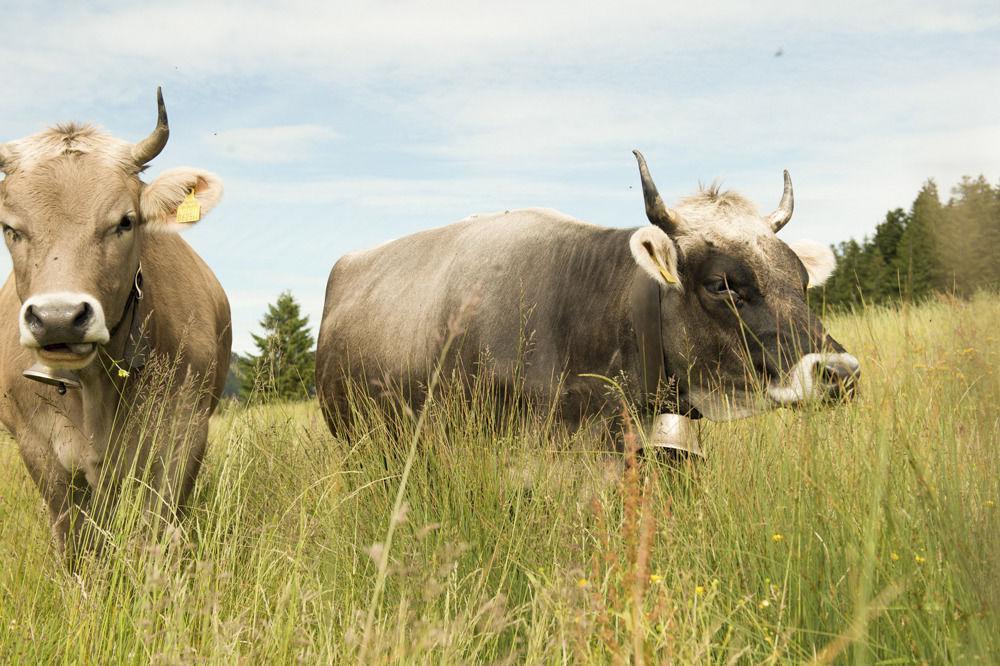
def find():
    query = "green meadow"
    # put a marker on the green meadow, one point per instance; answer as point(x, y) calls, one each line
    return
point(867, 533)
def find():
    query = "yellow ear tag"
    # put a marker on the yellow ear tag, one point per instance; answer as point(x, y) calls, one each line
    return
point(665, 273)
point(190, 209)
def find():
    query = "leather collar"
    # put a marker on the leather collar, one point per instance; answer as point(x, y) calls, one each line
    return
point(136, 348)
point(647, 323)
point(657, 384)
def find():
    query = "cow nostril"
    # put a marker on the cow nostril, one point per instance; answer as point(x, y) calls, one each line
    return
point(31, 318)
point(831, 374)
point(840, 378)
point(83, 315)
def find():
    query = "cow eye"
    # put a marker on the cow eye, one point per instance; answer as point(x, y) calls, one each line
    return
point(126, 223)
point(10, 233)
point(719, 287)
point(723, 289)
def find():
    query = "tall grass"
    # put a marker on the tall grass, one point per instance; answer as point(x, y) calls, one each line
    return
point(867, 533)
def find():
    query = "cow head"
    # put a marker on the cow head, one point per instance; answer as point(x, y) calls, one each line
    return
point(74, 214)
point(738, 332)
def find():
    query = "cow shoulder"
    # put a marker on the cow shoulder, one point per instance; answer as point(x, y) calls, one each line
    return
point(190, 308)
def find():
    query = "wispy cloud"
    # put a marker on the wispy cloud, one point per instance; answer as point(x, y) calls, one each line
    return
point(95, 51)
point(274, 145)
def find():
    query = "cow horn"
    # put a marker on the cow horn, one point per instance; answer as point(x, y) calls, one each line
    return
point(656, 210)
point(144, 151)
point(783, 214)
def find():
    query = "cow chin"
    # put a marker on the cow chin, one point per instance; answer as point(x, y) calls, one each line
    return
point(67, 360)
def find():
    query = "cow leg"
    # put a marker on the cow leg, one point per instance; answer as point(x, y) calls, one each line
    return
point(192, 453)
point(178, 459)
point(69, 499)
point(62, 491)
point(77, 521)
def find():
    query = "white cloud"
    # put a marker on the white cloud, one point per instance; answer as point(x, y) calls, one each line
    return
point(545, 124)
point(274, 145)
point(96, 52)
point(400, 195)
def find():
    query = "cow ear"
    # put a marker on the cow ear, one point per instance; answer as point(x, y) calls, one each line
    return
point(656, 254)
point(173, 189)
point(818, 260)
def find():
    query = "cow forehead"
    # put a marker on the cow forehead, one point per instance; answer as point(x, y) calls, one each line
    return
point(720, 216)
point(725, 220)
point(731, 224)
point(70, 139)
point(70, 184)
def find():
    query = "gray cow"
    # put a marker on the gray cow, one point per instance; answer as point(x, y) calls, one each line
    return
point(703, 312)
point(101, 287)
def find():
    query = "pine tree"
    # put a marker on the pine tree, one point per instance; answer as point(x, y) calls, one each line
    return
point(232, 387)
point(872, 275)
point(886, 241)
point(285, 367)
point(888, 233)
point(968, 244)
point(842, 288)
point(916, 255)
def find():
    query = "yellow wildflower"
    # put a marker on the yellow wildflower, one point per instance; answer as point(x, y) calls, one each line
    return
point(764, 604)
point(894, 556)
point(918, 559)
point(699, 590)
point(123, 373)
point(656, 578)
point(582, 583)
point(776, 537)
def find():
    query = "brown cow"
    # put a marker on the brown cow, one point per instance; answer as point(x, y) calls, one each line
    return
point(102, 292)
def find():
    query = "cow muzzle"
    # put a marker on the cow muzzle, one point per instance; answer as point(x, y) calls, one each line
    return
point(63, 329)
point(817, 377)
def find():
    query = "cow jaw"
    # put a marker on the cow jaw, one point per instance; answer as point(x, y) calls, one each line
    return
point(719, 405)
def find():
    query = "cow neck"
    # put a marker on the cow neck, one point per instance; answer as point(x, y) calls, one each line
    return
point(655, 374)
point(647, 324)
point(128, 347)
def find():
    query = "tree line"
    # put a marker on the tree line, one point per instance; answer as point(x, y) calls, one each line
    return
point(933, 247)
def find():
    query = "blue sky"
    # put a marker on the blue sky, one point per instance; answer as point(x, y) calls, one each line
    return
point(337, 126)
